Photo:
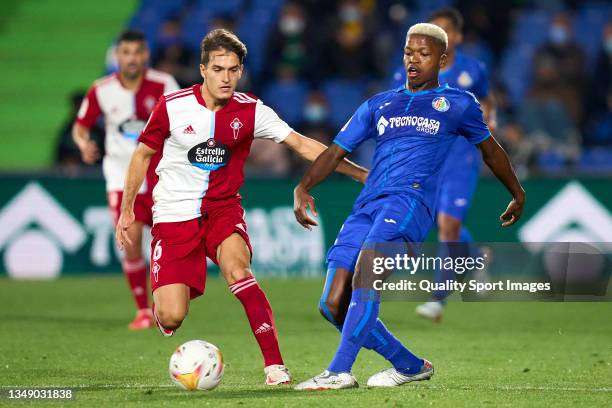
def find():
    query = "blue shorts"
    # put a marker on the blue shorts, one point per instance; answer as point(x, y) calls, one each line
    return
point(458, 180)
point(390, 218)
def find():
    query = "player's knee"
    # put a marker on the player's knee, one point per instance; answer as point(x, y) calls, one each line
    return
point(170, 317)
point(330, 309)
point(236, 273)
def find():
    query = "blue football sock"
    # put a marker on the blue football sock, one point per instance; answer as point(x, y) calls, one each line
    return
point(360, 320)
point(379, 339)
point(393, 350)
point(443, 274)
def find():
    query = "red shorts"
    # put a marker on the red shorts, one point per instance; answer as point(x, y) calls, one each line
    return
point(143, 207)
point(179, 249)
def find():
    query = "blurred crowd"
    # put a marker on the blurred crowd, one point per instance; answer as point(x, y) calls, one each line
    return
point(315, 61)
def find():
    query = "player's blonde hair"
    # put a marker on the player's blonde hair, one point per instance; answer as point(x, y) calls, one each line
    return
point(429, 30)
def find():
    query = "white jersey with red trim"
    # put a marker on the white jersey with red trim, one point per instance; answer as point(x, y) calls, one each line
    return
point(203, 152)
point(125, 113)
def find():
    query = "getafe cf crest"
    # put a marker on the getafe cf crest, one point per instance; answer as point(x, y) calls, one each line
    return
point(236, 125)
point(440, 104)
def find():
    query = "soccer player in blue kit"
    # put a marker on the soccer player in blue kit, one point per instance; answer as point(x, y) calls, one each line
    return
point(459, 175)
point(414, 127)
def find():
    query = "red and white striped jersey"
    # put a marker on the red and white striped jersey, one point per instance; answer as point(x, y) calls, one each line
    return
point(203, 152)
point(125, 114)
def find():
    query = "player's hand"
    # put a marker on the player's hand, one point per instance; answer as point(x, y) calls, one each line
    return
point(301, 202)
point(121, 230)
point(89, 151)
point(512, 213)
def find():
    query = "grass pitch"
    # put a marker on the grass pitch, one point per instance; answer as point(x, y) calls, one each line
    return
point(72, 332)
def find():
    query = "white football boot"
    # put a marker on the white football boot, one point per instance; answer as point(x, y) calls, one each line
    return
point(277, 374)
point(329, 381)
point(430, 310)
point(393, 378)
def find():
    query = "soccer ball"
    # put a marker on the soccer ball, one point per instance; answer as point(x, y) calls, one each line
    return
point(196, 365)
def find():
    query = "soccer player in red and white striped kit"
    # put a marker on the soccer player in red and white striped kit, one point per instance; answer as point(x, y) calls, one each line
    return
point(204, 134)
point(125, 99)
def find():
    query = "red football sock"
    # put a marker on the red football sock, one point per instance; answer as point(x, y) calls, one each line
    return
point(136, 273)
point(260, 317)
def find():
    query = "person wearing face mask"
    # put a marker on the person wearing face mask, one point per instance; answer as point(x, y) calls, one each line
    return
point(289, 44)
point(567, 60)
point(599, 101)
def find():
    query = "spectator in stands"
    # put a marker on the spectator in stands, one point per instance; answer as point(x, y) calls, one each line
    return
point(599, 102)
point(290, 43)
point(173, 56)
point(68, 155)
point(565, 59)
point(350, 53)
point(544, 116)
point(316, 124)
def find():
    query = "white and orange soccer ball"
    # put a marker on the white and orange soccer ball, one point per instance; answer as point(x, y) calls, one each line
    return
point(196, 365)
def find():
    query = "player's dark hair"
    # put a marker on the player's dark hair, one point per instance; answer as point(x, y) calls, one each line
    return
point(131, 35)
point(451, 14)
point(222, 39)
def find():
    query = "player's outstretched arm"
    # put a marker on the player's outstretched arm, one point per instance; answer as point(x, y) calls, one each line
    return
point(137, 170)
point(497, 160)
point(309, 149)
point(318, 171)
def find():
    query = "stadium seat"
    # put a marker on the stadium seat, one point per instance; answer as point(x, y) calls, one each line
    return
point(588, 28)
point(531, 27)
point(148, 21)
point(223, 7)
point(551, 162)
point(267, 5)
point(595, 160)
point(344, 97)
point(195, 26)
point(515, 71)
point(287, 99)
point(254, 28)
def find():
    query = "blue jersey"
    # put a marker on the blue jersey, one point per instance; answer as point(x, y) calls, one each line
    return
point(469, 74)
point(414, 132)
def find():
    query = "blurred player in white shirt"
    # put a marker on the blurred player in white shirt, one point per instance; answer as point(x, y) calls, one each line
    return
point(125, 99)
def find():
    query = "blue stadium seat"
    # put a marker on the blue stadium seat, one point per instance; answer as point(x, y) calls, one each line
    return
point(515, 71)
point(220, 7)
point(595, 160)
point(254, 28)
point(287, 99)
point(195, 26)
point(344, 97)
point(551, 162)
point(148, 21)
point(588, 28)
point(165, 9)
point(531, 27)
point(267, 5)
point(429, 6)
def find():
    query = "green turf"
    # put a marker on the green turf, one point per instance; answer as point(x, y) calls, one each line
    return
point(49, 48)
point(72, 332)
